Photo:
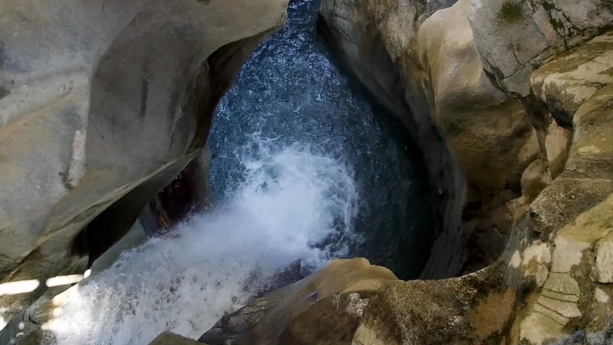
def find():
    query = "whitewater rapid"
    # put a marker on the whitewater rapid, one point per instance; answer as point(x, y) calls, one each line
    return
point(293, 205)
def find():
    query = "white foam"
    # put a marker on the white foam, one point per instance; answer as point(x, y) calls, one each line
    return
point(290, 200)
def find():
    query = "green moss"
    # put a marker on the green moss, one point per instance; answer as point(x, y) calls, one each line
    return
point(549, 7)
point(511, 12)
point(556, 24)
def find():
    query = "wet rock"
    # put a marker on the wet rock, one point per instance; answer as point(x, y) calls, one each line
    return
point(283, 277)
point(302, 313)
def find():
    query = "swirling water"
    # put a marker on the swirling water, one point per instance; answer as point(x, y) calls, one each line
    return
point(292, 92)
point(290, 201)
point(305, 168)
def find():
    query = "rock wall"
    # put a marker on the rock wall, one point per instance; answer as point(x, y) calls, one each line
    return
point(459, 77)
point(515, 98)
point(102, 104)
point(358, 30)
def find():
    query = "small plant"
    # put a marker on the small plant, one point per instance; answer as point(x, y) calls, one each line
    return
point(511, 12)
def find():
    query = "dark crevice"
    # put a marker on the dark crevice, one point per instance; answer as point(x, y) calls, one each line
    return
point(3, 92)
point(114, 222)
point(146, 74)
point(188, 194)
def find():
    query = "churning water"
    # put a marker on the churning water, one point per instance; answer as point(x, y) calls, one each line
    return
point(305, 168)
point(292, 92)
point(290, 201)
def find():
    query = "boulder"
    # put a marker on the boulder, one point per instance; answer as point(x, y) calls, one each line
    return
point(323, 308)
point(468, 310)
point(102, 105)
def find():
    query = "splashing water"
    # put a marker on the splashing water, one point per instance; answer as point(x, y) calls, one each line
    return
point(292, 198)
point(290, 89)
point(293, 205)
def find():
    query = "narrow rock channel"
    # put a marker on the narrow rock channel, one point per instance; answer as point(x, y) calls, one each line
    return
point(291, 96)
point(305, 168)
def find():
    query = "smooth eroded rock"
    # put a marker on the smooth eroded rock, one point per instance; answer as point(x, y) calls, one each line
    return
point(323, 308)
point(102, 104)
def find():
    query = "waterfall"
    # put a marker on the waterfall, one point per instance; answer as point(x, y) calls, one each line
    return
point(289, 203)
point(294, 143)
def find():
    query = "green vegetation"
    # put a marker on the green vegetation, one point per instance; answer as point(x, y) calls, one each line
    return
point(511, 12)
point(550, 8)
point(557, 25)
